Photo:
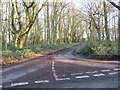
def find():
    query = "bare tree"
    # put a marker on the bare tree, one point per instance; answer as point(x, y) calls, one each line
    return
point(114, 4)
point(20, 29)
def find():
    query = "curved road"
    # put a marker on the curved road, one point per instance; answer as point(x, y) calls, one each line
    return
point(61, 70)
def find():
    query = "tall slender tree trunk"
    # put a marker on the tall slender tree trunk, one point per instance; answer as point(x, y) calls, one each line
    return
point(16, 41)
point(48, 26)
point(119, 30)
point(98, 30)
point(106, 23)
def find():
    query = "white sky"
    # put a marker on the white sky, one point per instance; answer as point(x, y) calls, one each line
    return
point(75, 1)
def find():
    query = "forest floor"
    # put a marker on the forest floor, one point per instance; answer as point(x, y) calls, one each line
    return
point(105, 57)
point(61, 69)
point(99, 51)
point(8, 61)
point(100, 57)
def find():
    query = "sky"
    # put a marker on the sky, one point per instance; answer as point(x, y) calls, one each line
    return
point(74, 1)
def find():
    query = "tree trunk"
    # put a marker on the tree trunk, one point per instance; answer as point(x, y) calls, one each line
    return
point(16, 41)
point(21, 42)
point(106, 24)
point(48, 24)
point(119, 31)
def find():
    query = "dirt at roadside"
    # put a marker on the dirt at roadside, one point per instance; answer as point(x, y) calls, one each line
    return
point(105, 57)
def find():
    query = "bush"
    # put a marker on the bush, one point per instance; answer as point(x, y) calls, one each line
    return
point(31, 50)
point(37, 50)
point(104, 49)
point(17, 54)
point(87, 50)
point(7, 53)
point(98, 49)
point(27, 52)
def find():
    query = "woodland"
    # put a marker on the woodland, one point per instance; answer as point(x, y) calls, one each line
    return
point(38, 27)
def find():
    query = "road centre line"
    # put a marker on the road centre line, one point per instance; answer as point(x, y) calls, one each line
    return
point(112, 73)
point(107, 70)
point(92, 72)
point(54, 73)
point(82, 76)
point(1, 86)
point(53, 70)
point(76, 74)
point(61, 75)
point(116, 69)
point(98, 75)
point(42, 81)
point(19, 84)
point(53, 65)
point(61, 79)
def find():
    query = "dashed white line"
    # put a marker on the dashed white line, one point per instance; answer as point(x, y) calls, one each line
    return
point(1, 86)
point(116, 69)
point(42, 81)
point(76, 74)
point(53, 70)
point(61, 79)
point(61, 75)
point(53, 64)
point(54, 74)
point(98, 75)
point(82, 76)
point(107, 70)
point(91, 72)
point(19, 84)
point(112, 73)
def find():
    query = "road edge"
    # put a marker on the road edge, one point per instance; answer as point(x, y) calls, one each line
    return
point(74, 52)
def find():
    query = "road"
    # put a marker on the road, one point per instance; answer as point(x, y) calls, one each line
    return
point(61, 70)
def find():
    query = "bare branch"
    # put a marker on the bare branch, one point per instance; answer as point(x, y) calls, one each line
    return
point(19, 16)
point(12, 14)
point(115, 5)
point(32, 22)
point(7, 27)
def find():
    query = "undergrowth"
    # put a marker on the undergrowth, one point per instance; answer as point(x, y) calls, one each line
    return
point(103, 48)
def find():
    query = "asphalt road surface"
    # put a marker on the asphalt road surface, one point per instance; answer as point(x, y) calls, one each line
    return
point(61, 70)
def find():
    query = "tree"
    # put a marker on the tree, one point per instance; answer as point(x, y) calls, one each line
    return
point(20, 28)
point(115, 5)
point(106, 23)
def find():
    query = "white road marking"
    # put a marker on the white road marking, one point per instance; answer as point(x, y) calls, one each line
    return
point(60, 79)
point(42, 81)
point(53, 70)
point(1, 86)
point(18, 84)
point(82, 76)
point(116, 69)
point(53, 65)
point(91, 72)
point(61, 75)
point(54, 74)
point(107, 70)
point(10, 76)
point(112, 73)
point(98, 75)
point(76, 74)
